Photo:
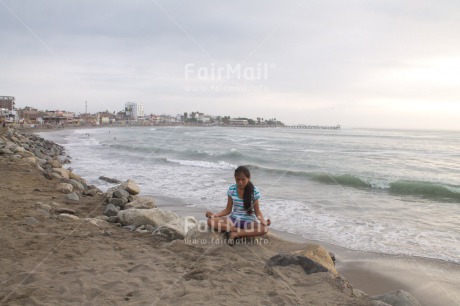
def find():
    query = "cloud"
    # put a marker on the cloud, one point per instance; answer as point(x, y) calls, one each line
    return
point(322, 56)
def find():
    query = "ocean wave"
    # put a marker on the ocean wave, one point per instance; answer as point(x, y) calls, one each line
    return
point(322, 177)
point(191, 153)
point(134, 148)
point(430, 190)
point(426, 190)
point(232, 154)
point(202, 164)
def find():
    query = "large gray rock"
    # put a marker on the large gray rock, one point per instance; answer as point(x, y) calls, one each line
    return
point(308, 265)
point(121, 193)
point(64, 188)
point(62, 172)
point(73, 196)
point(79, 179)
point(141, 203)
point(397, 298)
point(118, 202)
point(111, 210)
point(76, 185)
point(319, 254)
point(131, 187)
point(91, 192)
point(39, 154)
point(55, 163)
point(158, 218)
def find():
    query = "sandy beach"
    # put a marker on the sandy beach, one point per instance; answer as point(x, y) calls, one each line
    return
point(47, 259)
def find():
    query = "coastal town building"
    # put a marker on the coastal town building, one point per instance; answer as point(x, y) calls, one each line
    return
point(107, 117)
point(59, 117)
point(7, 108)
point(89, 119)
point(30, 115)
point(7, 102)
point(162, 119)
point(203, 119)
point(134, 111)
point(239, 121)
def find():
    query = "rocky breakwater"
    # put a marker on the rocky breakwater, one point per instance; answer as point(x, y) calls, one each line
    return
point(49, 158)
point(123, 205)
point(126, 208)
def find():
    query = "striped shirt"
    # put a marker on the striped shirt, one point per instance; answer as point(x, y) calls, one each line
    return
point(238, 211)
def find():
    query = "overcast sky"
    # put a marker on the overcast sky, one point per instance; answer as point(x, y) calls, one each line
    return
point(360, 63)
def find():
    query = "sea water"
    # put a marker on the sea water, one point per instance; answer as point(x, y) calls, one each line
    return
point(388, 191)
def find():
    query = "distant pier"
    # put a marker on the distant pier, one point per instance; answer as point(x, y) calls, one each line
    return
point(313, 127)
point(299, 126)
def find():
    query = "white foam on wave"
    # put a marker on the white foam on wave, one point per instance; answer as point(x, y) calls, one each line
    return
point(90, 131)
point(359, 232)
point(203, 164)
point(78, 141)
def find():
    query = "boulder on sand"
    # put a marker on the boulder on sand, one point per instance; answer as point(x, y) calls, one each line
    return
point(319, 254)
point(141, 203)
point(64, 188)
point(157, 218)
point(62, 172)
point(308, 265)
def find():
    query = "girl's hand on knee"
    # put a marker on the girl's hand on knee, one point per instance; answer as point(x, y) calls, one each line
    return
point(209, 214)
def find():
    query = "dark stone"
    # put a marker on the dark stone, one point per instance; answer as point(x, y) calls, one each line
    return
point(110, 210)
point(332, 257)
point(90, 192)
point(73, 196)
point(110, 180)
point(308, 265)
point(120, 193)
point(118, 202)
point(76, 185)
point(39, 154)
point(63, 210)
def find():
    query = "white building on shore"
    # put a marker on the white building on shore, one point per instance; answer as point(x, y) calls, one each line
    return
point(134, 110)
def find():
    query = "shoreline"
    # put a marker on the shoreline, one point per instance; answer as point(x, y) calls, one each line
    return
point(365, 270)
